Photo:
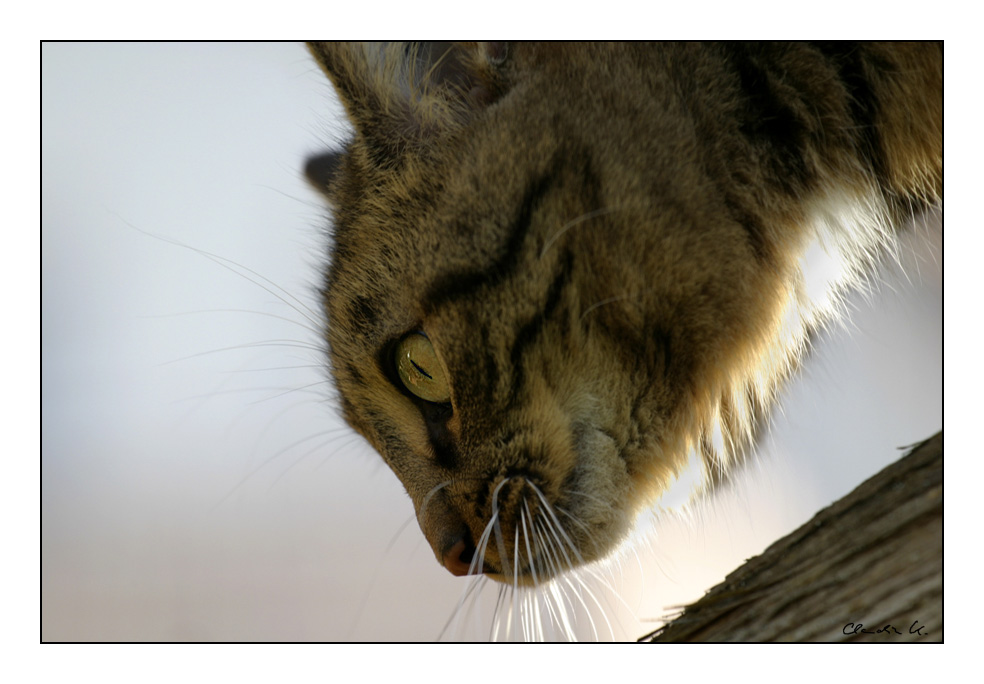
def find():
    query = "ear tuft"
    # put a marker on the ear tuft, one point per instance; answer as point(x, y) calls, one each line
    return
point(402, 96)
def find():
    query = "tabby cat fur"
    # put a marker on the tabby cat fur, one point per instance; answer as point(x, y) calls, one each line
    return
point(614, 255)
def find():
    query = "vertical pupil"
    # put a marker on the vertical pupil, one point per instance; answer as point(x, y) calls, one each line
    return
point(421, 370)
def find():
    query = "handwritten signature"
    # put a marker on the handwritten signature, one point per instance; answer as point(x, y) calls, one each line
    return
point(858, 628)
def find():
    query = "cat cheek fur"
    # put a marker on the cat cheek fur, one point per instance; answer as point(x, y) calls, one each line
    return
point(619, 253)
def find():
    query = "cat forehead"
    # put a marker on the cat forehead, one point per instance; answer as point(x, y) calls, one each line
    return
point(476, 230)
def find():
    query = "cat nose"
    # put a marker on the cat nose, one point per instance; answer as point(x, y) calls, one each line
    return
point(458, 558)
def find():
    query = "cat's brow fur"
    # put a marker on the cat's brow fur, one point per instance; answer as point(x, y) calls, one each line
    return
point(610, 247)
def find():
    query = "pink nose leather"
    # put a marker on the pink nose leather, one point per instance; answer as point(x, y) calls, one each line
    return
point(453, 559)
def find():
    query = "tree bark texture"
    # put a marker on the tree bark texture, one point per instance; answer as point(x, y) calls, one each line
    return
point(868, 568)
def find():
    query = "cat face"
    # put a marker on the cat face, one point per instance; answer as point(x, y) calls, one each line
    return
point(548, 295)
point(483, 275)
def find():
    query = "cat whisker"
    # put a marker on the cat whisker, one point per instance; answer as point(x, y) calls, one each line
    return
point(500, 543)
point(550, 543)
point(471, 594)
point(375, 576)
point(608, 583)
point(294, 390)
point(562, 559)
point(524, 513)
point(478, 560)
point(275, 368)
point(296, 462)
point(556, 607)
point(269, 460)
point(292, 321)
point(476, 586)
point(601, 609)
point(243, 390)
point(537, 611)
point(527, 533)
point(525, 597)
point(577, 590)
point(515, 571)
point(556, 547)
point(311, 315)
point(557, 525)
point(501, 602)
point(516, 595)
point(563, 614)
point(545, 610)
point(251, 345)
point(430, 495)
point(603, 302)
point(570, 224)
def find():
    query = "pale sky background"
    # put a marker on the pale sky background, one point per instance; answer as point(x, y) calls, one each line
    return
point(196, 482)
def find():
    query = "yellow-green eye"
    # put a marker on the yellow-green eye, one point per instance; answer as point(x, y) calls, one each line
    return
point(419, 370)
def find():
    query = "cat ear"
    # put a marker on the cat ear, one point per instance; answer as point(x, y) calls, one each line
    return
point(321, 169)
point(400, 96)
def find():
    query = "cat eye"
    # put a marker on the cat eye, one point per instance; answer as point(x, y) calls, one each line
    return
point(419, 370)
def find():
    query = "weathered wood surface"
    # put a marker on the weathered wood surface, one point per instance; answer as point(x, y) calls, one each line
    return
point(869, 568)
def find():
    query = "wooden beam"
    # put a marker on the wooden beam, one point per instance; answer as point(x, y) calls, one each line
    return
point(868, 568)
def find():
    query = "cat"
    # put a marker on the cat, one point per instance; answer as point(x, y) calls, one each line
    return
point(565, 277)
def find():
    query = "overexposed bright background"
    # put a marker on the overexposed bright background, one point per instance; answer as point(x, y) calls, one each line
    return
point(196, 481)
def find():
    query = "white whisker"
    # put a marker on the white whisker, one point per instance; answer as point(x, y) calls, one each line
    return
point(603, 302)
point(558, 526)
point(570, 224)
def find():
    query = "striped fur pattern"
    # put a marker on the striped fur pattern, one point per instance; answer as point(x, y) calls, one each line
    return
point(618, 252)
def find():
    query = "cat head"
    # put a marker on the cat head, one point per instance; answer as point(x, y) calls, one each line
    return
point(532, 313)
